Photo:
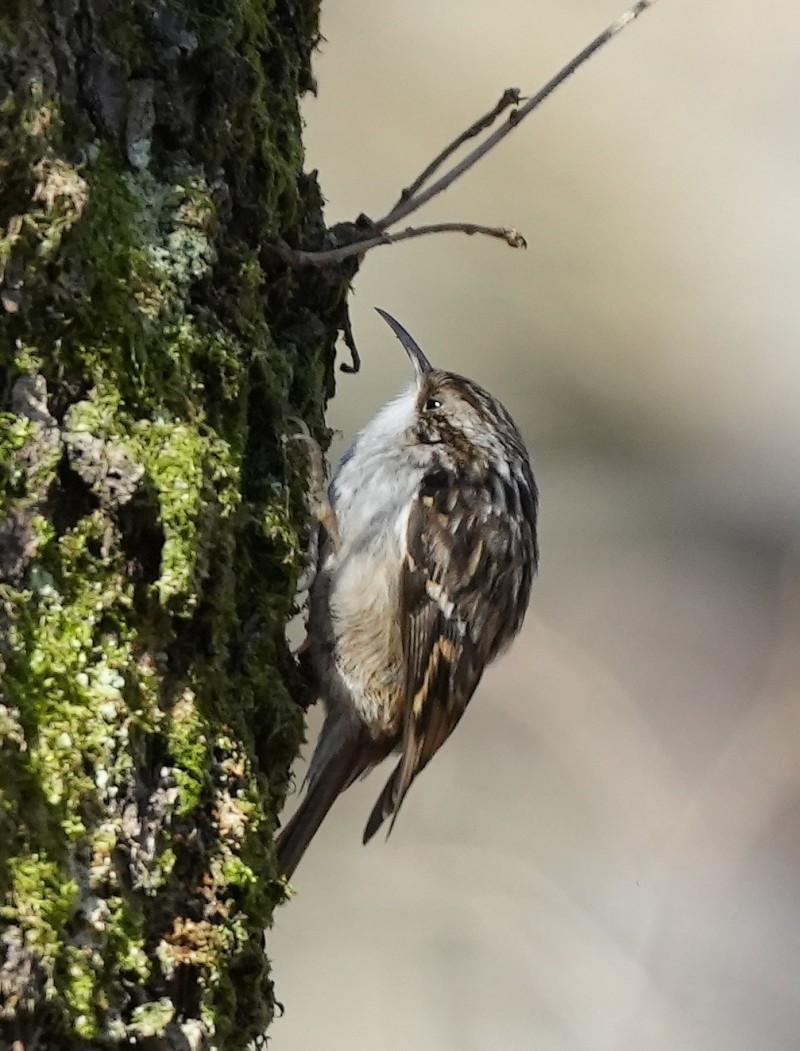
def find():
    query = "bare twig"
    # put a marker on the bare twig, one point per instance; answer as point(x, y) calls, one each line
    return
point(510, 97)
point(331, 256)
point(415, 195)
point(406, 207)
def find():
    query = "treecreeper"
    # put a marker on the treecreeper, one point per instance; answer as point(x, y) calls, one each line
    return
point(427, 552)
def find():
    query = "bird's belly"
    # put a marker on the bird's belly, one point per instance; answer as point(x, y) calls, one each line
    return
point(357, 638)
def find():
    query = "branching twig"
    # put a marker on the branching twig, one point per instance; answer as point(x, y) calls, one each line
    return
point(405, 207)
point(331, 256)
point(510, 97)
point(415, 195)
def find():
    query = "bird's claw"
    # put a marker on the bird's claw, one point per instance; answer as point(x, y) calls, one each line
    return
point(320, 504)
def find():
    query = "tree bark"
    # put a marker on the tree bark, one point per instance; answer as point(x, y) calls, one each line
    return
point(152, 352)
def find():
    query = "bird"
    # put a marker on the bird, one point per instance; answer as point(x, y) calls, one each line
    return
point(426, 555)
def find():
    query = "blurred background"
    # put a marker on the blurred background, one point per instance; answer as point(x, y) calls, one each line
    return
point(606, 855)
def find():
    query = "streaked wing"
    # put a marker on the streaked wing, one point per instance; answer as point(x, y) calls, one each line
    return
point(461, 599)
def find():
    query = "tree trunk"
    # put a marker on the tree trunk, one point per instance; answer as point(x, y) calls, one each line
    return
point(152, 352)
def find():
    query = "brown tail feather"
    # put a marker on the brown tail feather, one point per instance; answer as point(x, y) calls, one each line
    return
point(388, 805)
point(337, 775)
point(382, 809)
point(301, 829)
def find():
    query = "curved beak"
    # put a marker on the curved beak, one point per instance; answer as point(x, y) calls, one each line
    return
point(420, 362)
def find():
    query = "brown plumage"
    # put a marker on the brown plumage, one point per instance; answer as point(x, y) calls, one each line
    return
point(427, 580)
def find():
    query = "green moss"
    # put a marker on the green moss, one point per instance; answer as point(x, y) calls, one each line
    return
point(150, 1019)
point(123, 33)
point(15, 433)
point(18, 18)
point(78, 987)
point(73, 665)
point(147, 241)
point(191, 470)
point(42, 901)
point(189, 749)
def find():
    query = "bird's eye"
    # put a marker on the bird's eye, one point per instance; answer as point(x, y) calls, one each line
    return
point(431, 404)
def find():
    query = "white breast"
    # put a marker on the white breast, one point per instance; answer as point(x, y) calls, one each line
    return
point(377, 479)
point(372, 494)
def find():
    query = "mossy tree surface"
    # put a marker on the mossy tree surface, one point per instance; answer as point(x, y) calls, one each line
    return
point(152, 353)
